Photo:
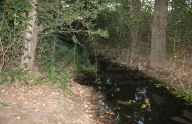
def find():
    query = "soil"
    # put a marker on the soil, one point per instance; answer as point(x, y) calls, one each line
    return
point(46, 104)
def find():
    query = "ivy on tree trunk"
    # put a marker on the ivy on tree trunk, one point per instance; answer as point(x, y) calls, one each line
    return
point(30, 39)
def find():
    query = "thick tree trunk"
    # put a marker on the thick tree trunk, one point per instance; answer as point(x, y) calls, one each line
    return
point(135, 9)
point(30, 40)
point(158, 38)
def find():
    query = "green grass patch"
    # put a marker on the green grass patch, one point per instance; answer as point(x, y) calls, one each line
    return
point(183, 94)
point(8, 75)
point(4, 104)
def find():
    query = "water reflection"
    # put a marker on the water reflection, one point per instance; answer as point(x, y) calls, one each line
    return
point(140, 94)
point(137, 105)
point(139, 99)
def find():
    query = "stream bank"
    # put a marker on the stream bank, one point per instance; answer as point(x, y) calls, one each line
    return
point(175, 76)
point(136, 98)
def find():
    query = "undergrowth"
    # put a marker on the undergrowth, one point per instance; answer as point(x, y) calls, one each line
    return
point(183, 94)
point(61, 61)
point(58, 75)
point(9, 75)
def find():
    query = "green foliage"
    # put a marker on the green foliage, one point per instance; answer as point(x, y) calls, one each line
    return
point(68, 26)
point(54, 51)
point(58, 75)
point(65, 79)
point(13, 22)
point(53, 74)
point(39, 80)
point(9, 75)
point(58, 59)
point(179, 27)
point(70, 18)
point(184, 94)
point(3, 104)
point(16, 12)
point(87, 68)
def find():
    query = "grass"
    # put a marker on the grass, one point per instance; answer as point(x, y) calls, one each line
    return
point(4, 104)
point(184, 94)
point(9, 75)
point(65, 80)
point(39, 80)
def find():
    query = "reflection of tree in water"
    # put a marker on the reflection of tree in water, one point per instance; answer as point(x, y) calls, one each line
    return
point(138, 102)
point(111, 88)
point(138, 117)
point(140, 94)
point(140, 98)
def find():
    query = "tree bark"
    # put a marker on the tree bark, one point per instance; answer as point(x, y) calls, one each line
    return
point(158, 38)
point(135, 9)
point(30, 40)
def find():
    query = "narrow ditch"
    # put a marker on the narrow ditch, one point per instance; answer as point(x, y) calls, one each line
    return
point(134, 98)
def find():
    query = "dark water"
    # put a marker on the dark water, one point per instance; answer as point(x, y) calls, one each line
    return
point(138, 99)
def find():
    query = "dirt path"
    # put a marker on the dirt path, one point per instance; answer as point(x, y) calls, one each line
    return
point(45, 105)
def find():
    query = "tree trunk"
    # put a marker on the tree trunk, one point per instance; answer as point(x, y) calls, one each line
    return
point(135, 10)
point(158, 38)
point(30, 40)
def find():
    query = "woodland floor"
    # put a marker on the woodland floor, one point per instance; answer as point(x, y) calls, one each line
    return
point(46, 104)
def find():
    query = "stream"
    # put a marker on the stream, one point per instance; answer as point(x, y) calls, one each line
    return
point(133, 98)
